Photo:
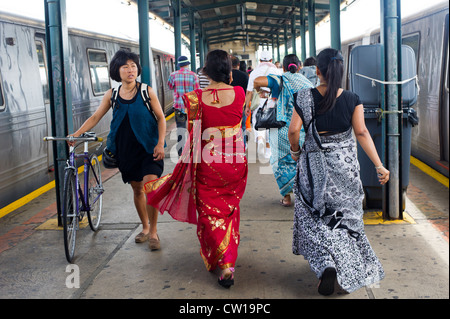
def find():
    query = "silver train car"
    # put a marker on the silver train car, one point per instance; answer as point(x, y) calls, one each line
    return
point(427, 34)
point(26, 162)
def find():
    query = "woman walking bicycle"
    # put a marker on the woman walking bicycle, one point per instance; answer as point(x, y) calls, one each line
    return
point(328, 214)
point(136, 138)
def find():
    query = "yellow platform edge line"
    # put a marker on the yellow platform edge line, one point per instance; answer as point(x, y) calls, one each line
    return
point(26, 199)
point(52, 224)
point(370, 218)
point(429, 171)
point(376, 218)
point(38, 192)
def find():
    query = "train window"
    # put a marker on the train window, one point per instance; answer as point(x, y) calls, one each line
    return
point(413, 40)
point(98, 67)
point(42, 69)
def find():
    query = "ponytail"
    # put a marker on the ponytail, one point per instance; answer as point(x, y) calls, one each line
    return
point(331, 64)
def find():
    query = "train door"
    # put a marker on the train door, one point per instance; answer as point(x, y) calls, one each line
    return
point(346, 79)
point(159, 79)
point(445, 99)
point(43, 72)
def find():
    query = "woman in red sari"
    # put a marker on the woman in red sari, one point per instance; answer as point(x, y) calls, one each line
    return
point(209, 179)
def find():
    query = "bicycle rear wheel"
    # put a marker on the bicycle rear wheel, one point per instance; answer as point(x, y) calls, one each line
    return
point(95, 193)
point(69, 213)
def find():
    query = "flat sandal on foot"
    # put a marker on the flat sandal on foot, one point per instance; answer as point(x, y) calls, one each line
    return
point(154, 244)
point(284, 203)
point(228, 281)
point(141, 237)
point(326, 285)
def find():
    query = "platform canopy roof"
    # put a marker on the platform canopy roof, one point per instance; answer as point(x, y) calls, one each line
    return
point(230, 20)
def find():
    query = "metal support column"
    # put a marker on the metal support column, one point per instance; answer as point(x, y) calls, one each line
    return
point(335, 24)
point(293, 35)
point(273, 49)
point(176, 6)
point(391, 41)
point(205, 46)
point(278, 47)
point(57, 42)
point(312, 27)
point(201, 49)
point(285, 40)
point(303, 31)
point(144, 42)
point(192, 38)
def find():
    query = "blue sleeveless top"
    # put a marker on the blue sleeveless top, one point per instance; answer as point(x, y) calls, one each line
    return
point(142, 122)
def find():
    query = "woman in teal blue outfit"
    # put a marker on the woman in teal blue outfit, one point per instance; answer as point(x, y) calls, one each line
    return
point(283, 87)
point(136, 137)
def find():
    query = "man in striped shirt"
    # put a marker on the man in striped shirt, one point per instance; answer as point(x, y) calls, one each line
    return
point(182, 81)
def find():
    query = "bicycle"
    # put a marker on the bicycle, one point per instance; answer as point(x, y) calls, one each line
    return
point(79, 200)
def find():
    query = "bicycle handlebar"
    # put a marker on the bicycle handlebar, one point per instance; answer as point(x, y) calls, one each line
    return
point(73, 139)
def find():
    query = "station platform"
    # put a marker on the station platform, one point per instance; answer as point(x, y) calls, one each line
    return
point(413, 251)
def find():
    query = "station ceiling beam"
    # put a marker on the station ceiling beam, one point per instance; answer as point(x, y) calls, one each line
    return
point(207, 18)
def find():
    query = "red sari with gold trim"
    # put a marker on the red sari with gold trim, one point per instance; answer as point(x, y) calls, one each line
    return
point(209, 180)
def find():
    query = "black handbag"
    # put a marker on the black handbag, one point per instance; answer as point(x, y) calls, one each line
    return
point(109, 160)
point(266, 116)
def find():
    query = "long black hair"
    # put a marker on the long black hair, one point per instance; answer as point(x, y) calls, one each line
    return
point(331, 64)
point(289, 60)
point(291, 63)
point(218, 66)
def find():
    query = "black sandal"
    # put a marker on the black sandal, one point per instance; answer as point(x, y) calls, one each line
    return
point(326, 285)
point(228, 281)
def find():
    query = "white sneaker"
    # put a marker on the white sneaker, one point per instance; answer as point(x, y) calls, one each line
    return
point(261, 148)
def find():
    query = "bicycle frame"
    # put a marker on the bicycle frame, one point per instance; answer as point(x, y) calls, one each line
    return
point(83, 193)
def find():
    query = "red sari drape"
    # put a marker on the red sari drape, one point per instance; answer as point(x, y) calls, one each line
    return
point(209, 180)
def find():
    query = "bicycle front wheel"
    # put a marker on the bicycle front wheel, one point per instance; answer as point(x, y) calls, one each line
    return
point(95, 193)
point(69, 213)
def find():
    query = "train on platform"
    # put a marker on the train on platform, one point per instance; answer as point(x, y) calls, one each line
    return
point(26, 161)
point(427, 33)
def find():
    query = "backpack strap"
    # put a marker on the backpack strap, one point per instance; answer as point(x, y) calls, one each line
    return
point(114, 96)
point(144, 94)
point(146, 98)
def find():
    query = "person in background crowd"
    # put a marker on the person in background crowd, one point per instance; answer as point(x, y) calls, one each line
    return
point(181, 82)
point(135, 138)
point(264, 68)
point(328, 213)
point(310, 72)
point(239, 79)
point(202, 78)
point(243, 66)
point(283, 88)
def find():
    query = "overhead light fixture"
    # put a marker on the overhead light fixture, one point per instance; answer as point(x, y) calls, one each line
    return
point(251, 5)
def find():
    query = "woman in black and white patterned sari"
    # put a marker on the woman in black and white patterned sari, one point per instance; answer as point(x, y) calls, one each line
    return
point(328, 220)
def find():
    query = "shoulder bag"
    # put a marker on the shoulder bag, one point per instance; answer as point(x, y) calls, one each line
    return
point(266, 116)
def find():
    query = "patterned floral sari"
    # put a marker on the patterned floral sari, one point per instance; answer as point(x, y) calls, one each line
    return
point(283, 166)
point(328, 214)
point(209, 179)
